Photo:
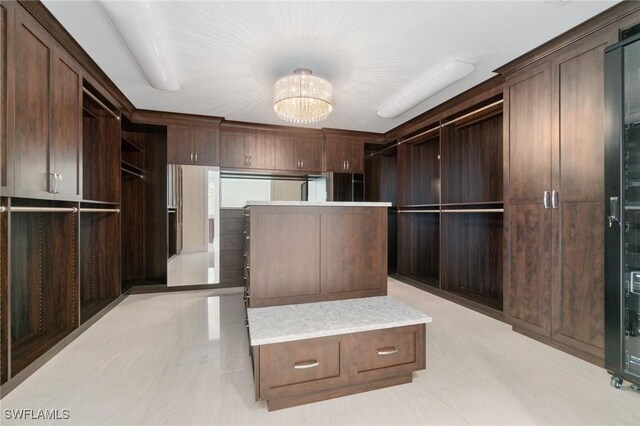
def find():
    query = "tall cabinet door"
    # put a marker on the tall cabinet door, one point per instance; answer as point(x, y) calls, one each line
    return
point(528, 108)
point(66, 137)
point(261, 151)
point(179, 145)
point(206, 146)
point(31, 120)
point(578, 178)
point(232, 152)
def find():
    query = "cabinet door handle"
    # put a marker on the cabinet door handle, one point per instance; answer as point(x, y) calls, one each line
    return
point(388, 351)
point(305, 364)
point(250, 162)
point(302, 162)
point(196, 156)
point(347, 164)
point(344, 165)
point(545, 199)
point(59, 183)
point(52, 183)
point(554, 199)
point(191, 156)
point(246, 160)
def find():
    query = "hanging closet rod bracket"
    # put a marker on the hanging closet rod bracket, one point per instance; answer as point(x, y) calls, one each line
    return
point(99, 102)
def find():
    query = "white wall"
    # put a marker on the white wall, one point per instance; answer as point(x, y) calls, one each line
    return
point(236, 192)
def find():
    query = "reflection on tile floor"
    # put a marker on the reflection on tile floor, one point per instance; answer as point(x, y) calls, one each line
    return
point(191, 269)
point(182, 358)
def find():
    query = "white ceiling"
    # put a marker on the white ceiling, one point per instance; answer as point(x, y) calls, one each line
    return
point(227, 55)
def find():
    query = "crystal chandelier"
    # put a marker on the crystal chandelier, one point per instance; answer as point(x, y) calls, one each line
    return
point(302, 97)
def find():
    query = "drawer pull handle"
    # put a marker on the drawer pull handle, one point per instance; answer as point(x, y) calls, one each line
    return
point(388, 351)
point(306, 364)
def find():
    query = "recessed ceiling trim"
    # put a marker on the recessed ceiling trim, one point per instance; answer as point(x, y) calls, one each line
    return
point(137, 25)
point(427, 86)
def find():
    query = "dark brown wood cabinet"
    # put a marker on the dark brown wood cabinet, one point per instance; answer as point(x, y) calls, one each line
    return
point(556, 143)
point(193, 145)
point(302, 371)
point(354, 250)
point(45, 135)
point(248, 150)
point(344, 154)
point(298, 154)
point(300, 254)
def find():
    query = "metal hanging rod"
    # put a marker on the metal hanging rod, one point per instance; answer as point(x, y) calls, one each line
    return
point(138, 175)
point(441, 125)
point(395, 145)
point(473, 211)
point(99, 102)
point(472, 113)
point(419, 135)
point(97, 210)
point(418, 211)
point(44, 209)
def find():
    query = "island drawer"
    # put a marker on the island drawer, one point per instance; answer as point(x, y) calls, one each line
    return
point(388, 351)
point(302, 366)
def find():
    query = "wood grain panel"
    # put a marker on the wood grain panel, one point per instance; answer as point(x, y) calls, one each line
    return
point(310, 153)
point(472, 162)
point(31, 99)
point(285, 263)
point(580, 296)
point(261, 149)
point(286, 154)
point(232, 151)
point(530, 266)
point(354, 249)
point(66, 116)
point(472, 256)
point(419, 247)
point(179, 145)
point(581, 85)
point(529, 135)
point(419, 177)
point(207, 146)
point(279, 378)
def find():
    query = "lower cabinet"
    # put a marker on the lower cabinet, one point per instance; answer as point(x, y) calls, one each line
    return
point(298, 372)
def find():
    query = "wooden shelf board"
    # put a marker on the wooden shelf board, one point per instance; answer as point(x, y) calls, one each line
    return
point(127, 145)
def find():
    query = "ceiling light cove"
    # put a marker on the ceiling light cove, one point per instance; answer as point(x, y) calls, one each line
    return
point(424, 88)
point(137, 25)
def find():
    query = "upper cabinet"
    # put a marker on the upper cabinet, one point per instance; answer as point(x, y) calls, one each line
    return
point(44, 126)
point(299, 154)
point(248, 150)
point(344, 154)
point(193, 145)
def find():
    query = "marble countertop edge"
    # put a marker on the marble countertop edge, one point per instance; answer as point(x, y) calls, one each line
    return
point(326, 333)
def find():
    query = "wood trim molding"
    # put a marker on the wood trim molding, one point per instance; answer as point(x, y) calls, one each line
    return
point(368, 137)
point(598, 22)
point(230, 125)
point(145, 116)
point(41, 14)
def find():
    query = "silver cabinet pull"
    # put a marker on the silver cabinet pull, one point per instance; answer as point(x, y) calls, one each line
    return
point(246, 160)
point(191, 156)
point(554, 199)
point(59, 183)
point(305, 364)
point(388, 351)
point(52, 183)
point(348, 165)
point(250, 162)
point(302, 162)
point(196, 156)
point(344, 165)
point(545, 199)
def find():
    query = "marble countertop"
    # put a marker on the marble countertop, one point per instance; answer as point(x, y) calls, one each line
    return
point(316, 204)
point(276, 324)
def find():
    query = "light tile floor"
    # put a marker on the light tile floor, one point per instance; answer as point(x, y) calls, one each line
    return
point(181, 358)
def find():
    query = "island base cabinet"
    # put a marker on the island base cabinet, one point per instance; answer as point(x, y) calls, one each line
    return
point(303, 371)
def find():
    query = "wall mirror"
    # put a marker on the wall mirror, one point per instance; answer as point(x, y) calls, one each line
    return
point(193, 212)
